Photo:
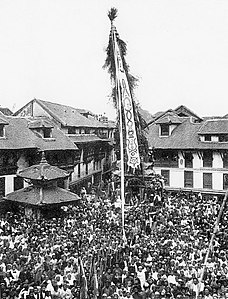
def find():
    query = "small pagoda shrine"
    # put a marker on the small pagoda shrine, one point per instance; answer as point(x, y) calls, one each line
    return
point(42, 194)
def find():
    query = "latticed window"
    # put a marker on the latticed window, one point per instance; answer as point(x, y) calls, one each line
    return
point(223, 138)
point(207, 138)
point(225, 160)
point(188, 179)
point(18, 183)
point(2, 186)
point(207, 159)
point(71, 130)
point(164, 130)
point(225, 181)
point(47, 132)
point(166, 174)
point(188, 160)
point(207, 180)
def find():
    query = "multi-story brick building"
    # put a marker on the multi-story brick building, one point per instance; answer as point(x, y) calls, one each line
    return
point(191, 152)
point(93, 138)
point(21, 142)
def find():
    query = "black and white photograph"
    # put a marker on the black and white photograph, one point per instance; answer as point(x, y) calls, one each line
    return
point(113, 149)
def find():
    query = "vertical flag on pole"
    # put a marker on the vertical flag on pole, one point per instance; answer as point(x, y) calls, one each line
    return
point(133, 158)
point(125, 107)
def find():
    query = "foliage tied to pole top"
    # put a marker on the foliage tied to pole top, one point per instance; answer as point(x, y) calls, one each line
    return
point(109, 64)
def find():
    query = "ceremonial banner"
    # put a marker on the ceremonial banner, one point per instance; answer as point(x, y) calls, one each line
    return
point(133, 158)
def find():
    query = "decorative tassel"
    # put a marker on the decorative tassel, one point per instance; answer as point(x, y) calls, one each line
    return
point(109, 64)
point(112, 14)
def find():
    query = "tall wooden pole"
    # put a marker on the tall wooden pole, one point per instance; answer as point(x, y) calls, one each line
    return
point(212, 239)
point(118, 91)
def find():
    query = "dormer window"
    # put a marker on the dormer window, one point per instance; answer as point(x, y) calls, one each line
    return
point(47, 132)
point(71, 130)
point(43, 127)
point(207, 138)
point(3, 123)
point(167, 123)
point(223, 138)
point(164, 129)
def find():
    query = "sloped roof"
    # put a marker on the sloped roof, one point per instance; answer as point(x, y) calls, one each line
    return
point(86, 138)
point(43, 172)
point(159, 115)
point(183, 109)
point(169, 118)
point(19, 136)
point(3, 120)
point(214, 126)
point(184, 136)
point(147, 116)
point(69, 116)
point(6, 111)
point(37, 123)
point(51, 196)
point(84, 111)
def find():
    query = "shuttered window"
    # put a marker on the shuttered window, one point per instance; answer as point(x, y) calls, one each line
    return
point(207, 159)
point(188, 179)
point(18, 183)
point(164, 130)
point(225, 181)
point(166, 174)
point(225, 160)
point(188, 160)
point(207, 180)
point(2, 187)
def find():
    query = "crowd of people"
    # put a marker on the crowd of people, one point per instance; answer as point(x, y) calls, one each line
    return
point(82, 253)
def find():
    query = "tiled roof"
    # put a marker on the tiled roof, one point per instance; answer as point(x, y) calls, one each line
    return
point(69, 116)
point(84, 111)
point(169, 118)
point(214, 126)
point(43, 172)
point(3, 121)
point(6, 111)
point(19, 136)
point(39, 122)
point(147, 116)
point(51, 196)
point(184, 136)
point(186, 111)
point(109, 124)
point(82, 138)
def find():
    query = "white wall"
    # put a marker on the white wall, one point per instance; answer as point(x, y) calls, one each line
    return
point(9, 184)
point(39, 111)
point(171, 128)
point(197, 161)
point(217, 181)
point(217, 160)
point(176, 178)
point(198, 179)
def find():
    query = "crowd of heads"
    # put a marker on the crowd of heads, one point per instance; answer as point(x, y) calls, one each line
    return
point(83, 252)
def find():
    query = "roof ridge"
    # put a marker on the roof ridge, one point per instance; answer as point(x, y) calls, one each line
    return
point(42, 103)
point(216, 119)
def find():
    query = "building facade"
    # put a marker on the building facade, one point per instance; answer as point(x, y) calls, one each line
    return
point(93, 136)
point(22, 140)
point(190, 152)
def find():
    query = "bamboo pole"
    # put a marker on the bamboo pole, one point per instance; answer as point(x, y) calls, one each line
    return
point(121, 134)
point(212, 239)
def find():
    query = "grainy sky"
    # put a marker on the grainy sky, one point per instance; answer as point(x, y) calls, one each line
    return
point(55, 49)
